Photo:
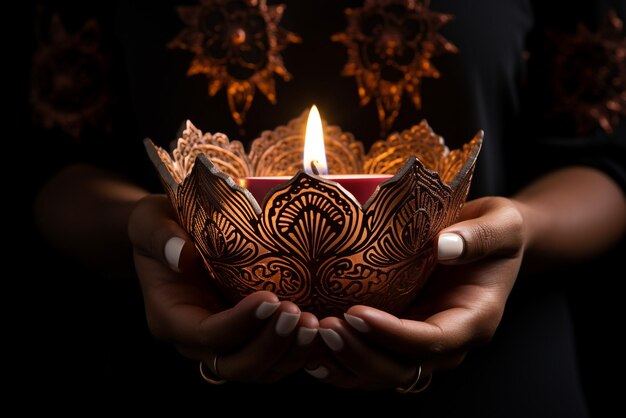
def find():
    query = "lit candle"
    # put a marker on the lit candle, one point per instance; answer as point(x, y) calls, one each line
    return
point(361, 186)
point(314, 149)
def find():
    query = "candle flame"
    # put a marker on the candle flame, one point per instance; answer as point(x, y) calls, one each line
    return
point(314, 150)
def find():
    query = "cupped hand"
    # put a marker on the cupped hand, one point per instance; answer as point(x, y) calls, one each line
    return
point(260, 339)
point(460, 308)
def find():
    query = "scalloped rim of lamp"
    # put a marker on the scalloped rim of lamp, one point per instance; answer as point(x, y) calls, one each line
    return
point(475, 143)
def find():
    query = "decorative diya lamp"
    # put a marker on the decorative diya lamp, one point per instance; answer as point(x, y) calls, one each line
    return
point(272, 220)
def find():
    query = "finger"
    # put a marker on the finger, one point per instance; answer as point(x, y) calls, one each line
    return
point(178, 318)
point(297, 355)
point(440, 341)
point(307, 329)
point(281, 323)
point(322, 365)
point(489, 226)
point(331, 372)
point(375, 368)
point(258, 356)
point(154, 232)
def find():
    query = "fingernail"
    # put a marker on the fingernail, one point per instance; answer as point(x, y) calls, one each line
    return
point(356, 323)
point(320, 373)
point(331, 338)
point(173, 248)
point(306, 335)
point(286, 323)
point(449, 246)
point(266, 309)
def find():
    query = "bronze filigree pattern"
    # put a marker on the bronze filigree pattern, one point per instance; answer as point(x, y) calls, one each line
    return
point(279, 152)
point(589, 75)
point(70, 83)
point(230, 157)
point(311, 242)
point(390, 44)
point(237, 45)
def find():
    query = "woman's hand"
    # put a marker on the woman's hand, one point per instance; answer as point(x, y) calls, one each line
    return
point(260, 339)
point(460, 308)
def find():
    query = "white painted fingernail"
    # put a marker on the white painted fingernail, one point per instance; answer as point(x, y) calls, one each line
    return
point(306, 335)
point(319, 373)
point(173, 248)
point(286, 323)
point(357, 323)
point(449, 246)
point(331, 338)
point(266, 309)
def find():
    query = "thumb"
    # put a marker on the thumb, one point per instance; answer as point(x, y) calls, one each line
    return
point(154, 232)
point(491, 226)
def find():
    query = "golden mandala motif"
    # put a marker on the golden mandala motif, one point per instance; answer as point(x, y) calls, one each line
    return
point(390, 44)
point(237, 45)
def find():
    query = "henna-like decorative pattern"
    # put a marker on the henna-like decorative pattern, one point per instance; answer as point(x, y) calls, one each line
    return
point(312, 242)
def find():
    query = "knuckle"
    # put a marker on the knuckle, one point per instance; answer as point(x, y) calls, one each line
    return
point(144, 210)
point(485, 238)
point(144, 205)
point(438, 347)
point(504, 234)
point(514, 226)
point(449, 356)
point(487, 327)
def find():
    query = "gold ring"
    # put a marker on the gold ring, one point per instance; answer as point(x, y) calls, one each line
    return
point(209, 376)
point(424, 386)
point(412, 388)
point(215, 372)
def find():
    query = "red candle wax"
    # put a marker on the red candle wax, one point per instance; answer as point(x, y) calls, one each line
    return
point(362, 186)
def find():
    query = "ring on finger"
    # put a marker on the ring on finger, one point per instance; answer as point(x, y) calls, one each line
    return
point(211, 376)
point(413, 387)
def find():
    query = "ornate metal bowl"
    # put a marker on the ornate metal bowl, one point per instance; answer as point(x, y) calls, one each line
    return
point(310, 241)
